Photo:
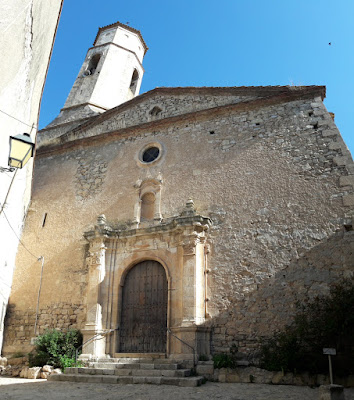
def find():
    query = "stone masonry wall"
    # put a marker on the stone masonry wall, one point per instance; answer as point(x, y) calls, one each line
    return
point(272, 303)
point(20, 323)
point(275, 180)
point(136, 114)
point(169, 105)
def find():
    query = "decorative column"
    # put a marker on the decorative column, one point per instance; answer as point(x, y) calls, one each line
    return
point(93, 326)
point(192, 329)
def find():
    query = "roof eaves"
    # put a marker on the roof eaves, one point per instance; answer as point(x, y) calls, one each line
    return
point(129, 28)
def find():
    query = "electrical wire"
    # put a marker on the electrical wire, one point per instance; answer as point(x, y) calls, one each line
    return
point(22, 122)
point(13, 230)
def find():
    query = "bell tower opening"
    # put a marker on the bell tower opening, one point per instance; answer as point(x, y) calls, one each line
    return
point(93, 63)
point(134, 82)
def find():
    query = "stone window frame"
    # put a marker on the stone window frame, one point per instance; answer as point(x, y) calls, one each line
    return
point(139, 156)
point(144, 187)
point(151, 113)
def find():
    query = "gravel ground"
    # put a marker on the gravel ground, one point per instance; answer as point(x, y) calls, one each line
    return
point(30, 389)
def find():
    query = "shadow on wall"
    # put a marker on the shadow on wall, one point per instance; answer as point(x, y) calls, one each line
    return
point(272, 305)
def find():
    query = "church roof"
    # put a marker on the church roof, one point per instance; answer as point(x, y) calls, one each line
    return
point(127, 27)
point(255, 97)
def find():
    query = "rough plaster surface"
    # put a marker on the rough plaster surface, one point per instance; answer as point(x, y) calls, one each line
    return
point(272, 179)
point(27, 32)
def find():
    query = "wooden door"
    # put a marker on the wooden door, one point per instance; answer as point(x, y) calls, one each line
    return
point(144, 309)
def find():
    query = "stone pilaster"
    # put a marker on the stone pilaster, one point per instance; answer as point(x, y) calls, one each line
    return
point(93, 325)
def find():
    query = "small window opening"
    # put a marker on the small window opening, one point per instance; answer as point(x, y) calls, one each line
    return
point(310, 113)
point(315, 126)
point(134, 81)
point(93, 64)
point(147, 207)
point(150, 154)
point(44, 219)
point(155, 111)
point(212, 132)
point(257, 123)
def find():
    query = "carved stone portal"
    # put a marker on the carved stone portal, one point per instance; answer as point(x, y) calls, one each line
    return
point(179, 245)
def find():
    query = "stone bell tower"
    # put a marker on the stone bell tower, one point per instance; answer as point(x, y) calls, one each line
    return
point(110, 75)
point(112, 71)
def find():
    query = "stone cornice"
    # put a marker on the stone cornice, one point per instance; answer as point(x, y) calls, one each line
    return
point(72, 138)
point(174, 224)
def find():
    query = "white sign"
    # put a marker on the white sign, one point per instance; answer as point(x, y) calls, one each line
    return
point(329, 351)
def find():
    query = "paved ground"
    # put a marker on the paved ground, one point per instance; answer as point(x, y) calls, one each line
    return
point(28, 389)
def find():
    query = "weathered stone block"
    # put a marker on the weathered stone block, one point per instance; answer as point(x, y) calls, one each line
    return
point(205, 369)
point(34, 373)
point(3, 361)
point(348, 200)
point(47, 368)
point(346, 180)
point(331, 392)
point(341, 160)
point(56, 371)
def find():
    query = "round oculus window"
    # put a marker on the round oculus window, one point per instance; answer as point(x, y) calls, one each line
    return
point(150, 154)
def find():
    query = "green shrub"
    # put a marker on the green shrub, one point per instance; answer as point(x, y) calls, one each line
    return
point(66, 362)
point(224, 360)
point(325, 321)
point(56, 348)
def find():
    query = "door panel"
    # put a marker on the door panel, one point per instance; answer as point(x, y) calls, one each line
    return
point(144, 309)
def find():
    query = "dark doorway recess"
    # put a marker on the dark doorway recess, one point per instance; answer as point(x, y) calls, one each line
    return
point(144, 309)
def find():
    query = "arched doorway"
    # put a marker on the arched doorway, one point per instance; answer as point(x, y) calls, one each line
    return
point(144, 309)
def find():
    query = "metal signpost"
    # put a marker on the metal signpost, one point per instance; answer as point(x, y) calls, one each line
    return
point(330, 352)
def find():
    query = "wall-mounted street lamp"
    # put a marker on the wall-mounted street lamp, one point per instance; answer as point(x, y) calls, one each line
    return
point(21, 150)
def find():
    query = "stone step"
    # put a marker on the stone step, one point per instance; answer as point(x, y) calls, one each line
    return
point(155, 380)
point(130, 372)
point(135, 361)
point(135, 365)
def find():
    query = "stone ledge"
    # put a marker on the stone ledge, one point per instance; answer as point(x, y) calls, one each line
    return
point(258, 375)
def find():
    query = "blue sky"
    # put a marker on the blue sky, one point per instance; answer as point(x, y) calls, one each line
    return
point(219, 43)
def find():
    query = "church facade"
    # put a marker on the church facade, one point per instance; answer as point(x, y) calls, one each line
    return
point(181, 220)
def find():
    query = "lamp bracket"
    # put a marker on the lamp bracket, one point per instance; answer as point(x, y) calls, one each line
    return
point(11, 169)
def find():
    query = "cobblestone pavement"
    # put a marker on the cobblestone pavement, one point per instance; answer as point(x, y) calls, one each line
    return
point(29, 389)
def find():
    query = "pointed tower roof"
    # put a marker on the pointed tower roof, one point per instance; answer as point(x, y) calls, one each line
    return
point(129, 28)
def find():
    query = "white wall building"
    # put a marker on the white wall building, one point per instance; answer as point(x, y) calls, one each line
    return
point(27, 32)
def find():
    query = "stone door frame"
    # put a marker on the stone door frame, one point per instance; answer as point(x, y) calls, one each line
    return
point(179, 245)
point(113, 343)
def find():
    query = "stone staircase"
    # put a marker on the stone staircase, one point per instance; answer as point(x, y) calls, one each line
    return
point(128, 371)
